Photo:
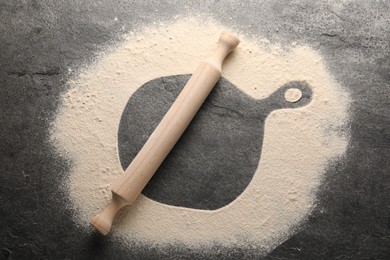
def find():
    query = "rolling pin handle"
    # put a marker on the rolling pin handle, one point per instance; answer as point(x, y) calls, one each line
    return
point(103, 221)
point(226, 43)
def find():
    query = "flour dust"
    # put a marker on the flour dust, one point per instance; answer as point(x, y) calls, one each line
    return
point(298, 143)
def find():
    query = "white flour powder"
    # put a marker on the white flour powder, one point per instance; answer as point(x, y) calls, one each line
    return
point(298, 143)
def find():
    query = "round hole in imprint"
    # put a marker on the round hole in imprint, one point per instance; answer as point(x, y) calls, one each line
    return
point(293, 95)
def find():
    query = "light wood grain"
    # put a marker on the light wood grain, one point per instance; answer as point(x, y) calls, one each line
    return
point(129, 185)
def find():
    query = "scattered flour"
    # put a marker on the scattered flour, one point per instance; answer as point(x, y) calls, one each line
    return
point(298, 143)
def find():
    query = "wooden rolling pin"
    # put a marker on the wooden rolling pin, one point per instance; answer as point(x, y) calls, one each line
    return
point(129, 185)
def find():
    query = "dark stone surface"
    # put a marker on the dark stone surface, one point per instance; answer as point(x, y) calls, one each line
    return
point(218, 154)
point(40, 40)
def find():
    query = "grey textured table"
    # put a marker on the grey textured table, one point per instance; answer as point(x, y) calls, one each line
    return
point(39, 40)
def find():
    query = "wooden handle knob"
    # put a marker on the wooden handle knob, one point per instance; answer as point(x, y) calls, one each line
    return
point(103, 221)
point(226, 43)
point(228, 40)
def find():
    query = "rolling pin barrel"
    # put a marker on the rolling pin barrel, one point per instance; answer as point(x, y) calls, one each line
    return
point(129, 185)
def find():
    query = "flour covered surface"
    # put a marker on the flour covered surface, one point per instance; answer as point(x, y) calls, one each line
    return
point(296, 142)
